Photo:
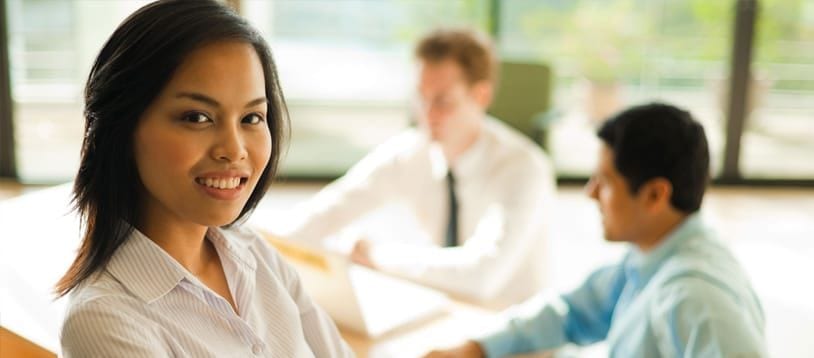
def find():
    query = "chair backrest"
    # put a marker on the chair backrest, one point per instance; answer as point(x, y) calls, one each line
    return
point(523, 95)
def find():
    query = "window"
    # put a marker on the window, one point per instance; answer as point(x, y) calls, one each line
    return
point(777, 138)
point(52, 44)
point(347, 70)
point(348, 73)
point(609, 54)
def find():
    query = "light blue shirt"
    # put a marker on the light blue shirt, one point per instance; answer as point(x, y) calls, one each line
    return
point(688, 297)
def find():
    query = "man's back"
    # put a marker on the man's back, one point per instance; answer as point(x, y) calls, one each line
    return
point(691, 298)
point(686, 298)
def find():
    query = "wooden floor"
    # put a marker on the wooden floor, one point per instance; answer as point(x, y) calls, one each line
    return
point(770, 230)
point(9, 189)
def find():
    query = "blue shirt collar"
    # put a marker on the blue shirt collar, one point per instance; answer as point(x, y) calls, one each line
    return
point(640, 266)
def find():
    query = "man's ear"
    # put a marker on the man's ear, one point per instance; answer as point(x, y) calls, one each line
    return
point(656, 194)
point(483, 92)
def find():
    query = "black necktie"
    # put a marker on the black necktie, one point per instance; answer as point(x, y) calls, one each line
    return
point(452, 223)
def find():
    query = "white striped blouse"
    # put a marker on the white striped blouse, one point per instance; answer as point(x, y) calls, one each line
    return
point(145, 304)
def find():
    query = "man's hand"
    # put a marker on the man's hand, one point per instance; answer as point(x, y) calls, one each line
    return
point(361, 253)
point(470, 349)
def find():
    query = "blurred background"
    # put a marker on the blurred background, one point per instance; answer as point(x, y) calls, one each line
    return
point(348, 74)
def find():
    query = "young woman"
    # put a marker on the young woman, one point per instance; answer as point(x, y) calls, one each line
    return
point(184, 127)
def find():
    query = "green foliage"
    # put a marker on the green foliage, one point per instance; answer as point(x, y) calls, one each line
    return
point(606, 38)
point(780, 27)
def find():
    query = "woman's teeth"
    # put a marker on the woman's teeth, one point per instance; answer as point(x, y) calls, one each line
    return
point(219, 183)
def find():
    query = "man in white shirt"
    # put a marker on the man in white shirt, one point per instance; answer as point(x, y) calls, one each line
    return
point(479, 189)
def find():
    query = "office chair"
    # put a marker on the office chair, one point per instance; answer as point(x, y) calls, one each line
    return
point(523, 99)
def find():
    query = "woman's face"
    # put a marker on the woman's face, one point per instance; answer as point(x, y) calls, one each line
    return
point(203, 143)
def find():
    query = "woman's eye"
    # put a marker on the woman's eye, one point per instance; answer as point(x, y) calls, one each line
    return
point(196, 117)
point(253, 118)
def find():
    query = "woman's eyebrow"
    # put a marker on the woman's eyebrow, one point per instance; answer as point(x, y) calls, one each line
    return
point(214, 103)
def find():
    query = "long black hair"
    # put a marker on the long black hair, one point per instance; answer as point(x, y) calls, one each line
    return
point(132, 68)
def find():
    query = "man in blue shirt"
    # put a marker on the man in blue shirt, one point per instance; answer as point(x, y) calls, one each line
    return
point(678, 292)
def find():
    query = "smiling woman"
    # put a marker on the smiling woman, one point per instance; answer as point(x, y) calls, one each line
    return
point(184, 126)
point(204, 142)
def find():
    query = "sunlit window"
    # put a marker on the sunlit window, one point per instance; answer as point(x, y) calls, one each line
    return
point(777, 139)
point(52, 44)
point(609, 54)
point(348, 74)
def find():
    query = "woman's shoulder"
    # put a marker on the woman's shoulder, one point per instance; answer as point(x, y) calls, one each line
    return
point(100, 302)
point(100, 315)
point(100, 292)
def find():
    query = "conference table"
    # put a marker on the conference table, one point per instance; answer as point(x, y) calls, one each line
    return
point(39, 234)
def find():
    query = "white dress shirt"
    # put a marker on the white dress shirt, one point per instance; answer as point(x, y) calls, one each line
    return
point(504, 187)
point(145, 304)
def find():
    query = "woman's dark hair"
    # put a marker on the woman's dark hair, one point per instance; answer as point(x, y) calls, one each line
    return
point(660, 140)
point(130, 71)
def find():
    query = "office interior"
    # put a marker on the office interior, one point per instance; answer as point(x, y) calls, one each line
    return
point(744, 68)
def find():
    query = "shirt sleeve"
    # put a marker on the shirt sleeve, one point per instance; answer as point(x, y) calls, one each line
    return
point(511, 227)
point(97, 329)
point(581, 317)
point(365, 187)
point(320, 331)
point(694, 317)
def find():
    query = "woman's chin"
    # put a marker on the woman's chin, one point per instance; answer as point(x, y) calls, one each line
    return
point(220, 219)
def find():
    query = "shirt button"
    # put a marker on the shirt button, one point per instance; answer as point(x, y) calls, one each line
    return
point(256, 349)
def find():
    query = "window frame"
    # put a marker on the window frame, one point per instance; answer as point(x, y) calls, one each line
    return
point(741, 60)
